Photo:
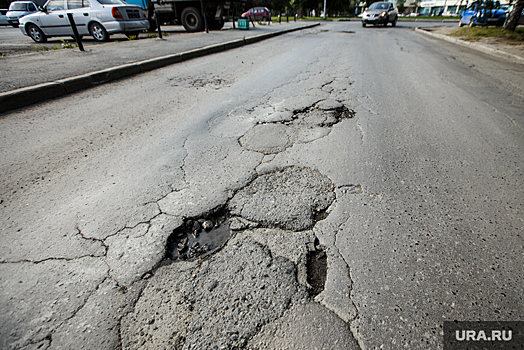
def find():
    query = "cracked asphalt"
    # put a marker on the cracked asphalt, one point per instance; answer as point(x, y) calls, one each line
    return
point(395, 155)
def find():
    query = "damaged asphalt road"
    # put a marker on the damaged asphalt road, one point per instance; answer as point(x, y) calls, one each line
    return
point(266, 199)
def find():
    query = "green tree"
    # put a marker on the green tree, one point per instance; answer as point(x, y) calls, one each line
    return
point(513, 19)
point(400, 6)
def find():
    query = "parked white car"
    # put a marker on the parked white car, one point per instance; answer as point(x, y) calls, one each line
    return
point(99, 18)
point(19, 9)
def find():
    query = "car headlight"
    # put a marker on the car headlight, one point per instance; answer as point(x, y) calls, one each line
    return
point(383, 14)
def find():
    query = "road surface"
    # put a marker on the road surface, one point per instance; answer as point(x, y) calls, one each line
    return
point(393, 159)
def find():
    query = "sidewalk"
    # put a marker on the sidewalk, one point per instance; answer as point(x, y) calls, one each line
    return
point(35, 77)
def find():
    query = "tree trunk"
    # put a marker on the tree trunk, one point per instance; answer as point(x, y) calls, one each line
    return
point(513, 19)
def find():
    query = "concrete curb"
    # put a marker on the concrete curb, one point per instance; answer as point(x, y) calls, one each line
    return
point(26, 96)
point(475, 46)
point(400, 19)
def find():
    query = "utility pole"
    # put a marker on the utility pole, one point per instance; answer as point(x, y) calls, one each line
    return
point(324, 9)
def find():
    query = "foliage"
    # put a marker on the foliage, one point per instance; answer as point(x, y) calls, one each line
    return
point(67, 45)
point(400, 6)
point(513, 18)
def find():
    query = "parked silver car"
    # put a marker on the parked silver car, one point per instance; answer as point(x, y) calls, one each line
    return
point(380, 13)
point(3, 18)
point(19, 9)
point(99, 18)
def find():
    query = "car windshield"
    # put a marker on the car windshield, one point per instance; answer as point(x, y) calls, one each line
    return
point(18, 6)
point(112, 2)
point(379, 6)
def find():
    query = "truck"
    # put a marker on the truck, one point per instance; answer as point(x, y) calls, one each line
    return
point(190, 13)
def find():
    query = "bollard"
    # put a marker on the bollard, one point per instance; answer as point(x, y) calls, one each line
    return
point(279, 19)
point(295, 17)
point(157, 19)
point(75, 31)
point(204, 14)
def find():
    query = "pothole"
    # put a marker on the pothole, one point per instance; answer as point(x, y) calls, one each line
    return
point(213, 82)
point(281, 130)
point(292, 198)
point(324, 114)
point(198, 237)
point(266, 139)
point(316, 270)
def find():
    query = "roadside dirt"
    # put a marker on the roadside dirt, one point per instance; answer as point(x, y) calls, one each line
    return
point(501, 44)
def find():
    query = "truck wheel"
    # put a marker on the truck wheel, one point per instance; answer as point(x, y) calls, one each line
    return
point(36, 34)
point(192, 19)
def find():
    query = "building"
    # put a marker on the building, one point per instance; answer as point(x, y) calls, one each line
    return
point(442, 7)
point(434, 7)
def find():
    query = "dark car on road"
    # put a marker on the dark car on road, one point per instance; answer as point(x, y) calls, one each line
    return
point(258, 14)
point(380, 13)
point(483, 13)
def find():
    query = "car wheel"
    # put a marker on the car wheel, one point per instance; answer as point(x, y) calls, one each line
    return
point(36, 34)
point(264, 19)
point(394, 23)
point(460, 23)
point(471, 23)
point(98, 32)
point(192, 19)
point(15, 25)
point(385, 23)
point(135, 34)
point(364, 24)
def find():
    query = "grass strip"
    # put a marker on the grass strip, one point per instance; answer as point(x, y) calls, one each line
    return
point(475, 33)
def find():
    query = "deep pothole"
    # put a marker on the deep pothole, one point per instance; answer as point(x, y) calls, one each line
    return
point(316, 270)
point(293, 198)
point(199, 237)
point(325, 113)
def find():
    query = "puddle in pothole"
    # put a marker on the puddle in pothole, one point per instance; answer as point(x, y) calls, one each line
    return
point(198, 237)
point(316, 270)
